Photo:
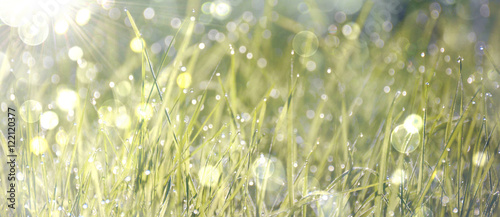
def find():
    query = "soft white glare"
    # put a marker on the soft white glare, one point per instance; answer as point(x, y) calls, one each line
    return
point(67, 99)
point(82, 17)
point(49, 120)
point(61, 27)
point(75, 53)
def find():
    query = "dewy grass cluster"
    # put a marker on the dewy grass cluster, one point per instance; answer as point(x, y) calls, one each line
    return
point(250, 108)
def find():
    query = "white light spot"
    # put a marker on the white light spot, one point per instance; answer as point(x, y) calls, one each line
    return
point(61, 27)
point(75, 53)
point(387, 89)
point(149, 13)
point(82, 16)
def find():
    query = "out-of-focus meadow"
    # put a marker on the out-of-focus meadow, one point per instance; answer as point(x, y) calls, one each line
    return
point(251, 108)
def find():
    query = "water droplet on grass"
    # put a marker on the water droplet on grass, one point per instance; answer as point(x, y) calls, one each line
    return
point(445, 200)
point(405, 140)
point(305, 43)
point(31, 111)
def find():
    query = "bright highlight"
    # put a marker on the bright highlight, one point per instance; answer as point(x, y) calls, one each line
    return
point(49, 120)
point(67, 99)
point(38, 145)
point(61, 27)
point(184, 80)
point(82, 17)
point(136, 44)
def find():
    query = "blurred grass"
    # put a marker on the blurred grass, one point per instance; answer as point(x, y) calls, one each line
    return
point(299, 135)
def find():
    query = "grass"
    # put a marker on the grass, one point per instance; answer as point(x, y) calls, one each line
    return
point(260, 127)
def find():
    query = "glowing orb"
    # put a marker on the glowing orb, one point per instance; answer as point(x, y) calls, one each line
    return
point(82, 16)
point(61, 27)
point(67, 99)
point(403, 140)
point(208, 7)
point(398, 177)
point(49, 120)
point(75, 53)
point(305, 43)
point(136, 44)
point(38, 145)
point(269, 173)
point(184, 80)
point(30, 111)
point(221, 10)
point(149, 13)
point(351, 31)
point(413, 123)
point(122, 121)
